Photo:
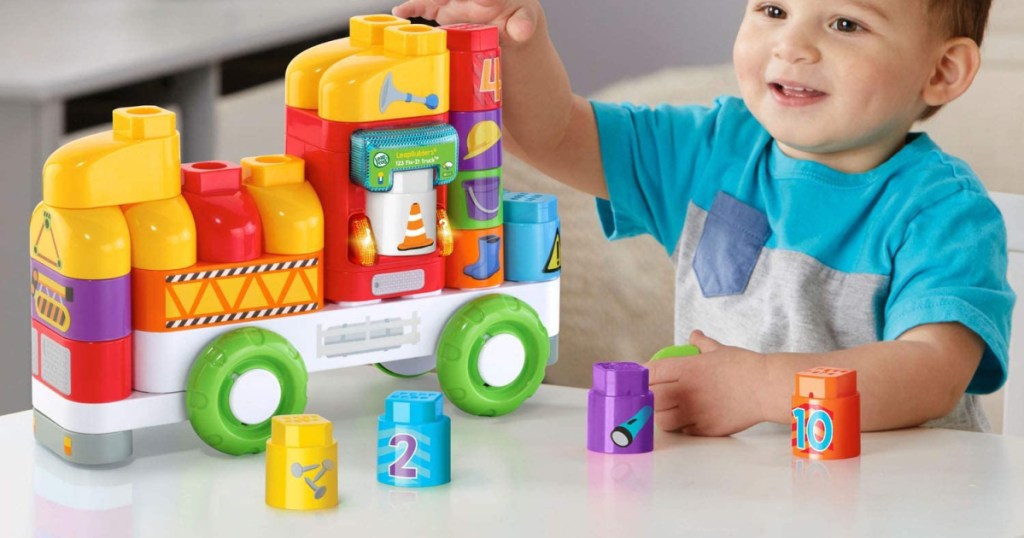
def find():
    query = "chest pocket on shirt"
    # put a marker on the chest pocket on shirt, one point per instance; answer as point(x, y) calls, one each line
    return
point(734, 234)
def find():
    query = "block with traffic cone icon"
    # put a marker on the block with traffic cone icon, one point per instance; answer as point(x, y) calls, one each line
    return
point(415, 234)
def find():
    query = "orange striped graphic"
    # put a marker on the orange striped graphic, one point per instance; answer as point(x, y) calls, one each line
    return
point(215, 294)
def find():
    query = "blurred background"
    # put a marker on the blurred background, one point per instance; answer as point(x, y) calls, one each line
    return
point(220, 65)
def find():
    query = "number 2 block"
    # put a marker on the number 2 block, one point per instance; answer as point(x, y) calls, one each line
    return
point(414, 440)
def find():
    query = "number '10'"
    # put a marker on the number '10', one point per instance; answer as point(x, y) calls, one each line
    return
point(805, 427)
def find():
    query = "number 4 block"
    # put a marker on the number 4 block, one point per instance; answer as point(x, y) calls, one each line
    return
point(414, 440)
point(826, 414)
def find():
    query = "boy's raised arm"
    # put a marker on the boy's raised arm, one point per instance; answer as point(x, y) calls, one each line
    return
point(545, 124)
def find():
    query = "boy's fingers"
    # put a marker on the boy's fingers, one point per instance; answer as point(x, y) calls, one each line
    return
point(669, 370)
point(705, 343)
point(407, 10)
point(665, 396)
point(672, 420)
point(521, 24)
point(661, 372)
point(426, 9)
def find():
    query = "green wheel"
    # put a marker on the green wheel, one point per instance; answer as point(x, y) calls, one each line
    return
point(239, 381)
point(491, 355)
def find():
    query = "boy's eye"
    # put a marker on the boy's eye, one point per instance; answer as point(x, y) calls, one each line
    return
point(773, 12)
point(845, 25)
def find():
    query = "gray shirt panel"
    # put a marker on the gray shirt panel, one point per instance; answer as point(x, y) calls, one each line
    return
point(792, 303)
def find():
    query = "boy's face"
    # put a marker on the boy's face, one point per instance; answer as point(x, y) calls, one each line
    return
point(835, 76)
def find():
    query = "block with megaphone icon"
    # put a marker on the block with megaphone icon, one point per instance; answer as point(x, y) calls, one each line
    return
point(390, 94)
point(408, 78)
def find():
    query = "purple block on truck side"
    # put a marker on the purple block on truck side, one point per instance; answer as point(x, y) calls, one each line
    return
point(479, 138)
point(83, 310)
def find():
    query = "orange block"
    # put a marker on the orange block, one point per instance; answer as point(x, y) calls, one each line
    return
point(477, 260)
point(223, 293)
point(826, 414)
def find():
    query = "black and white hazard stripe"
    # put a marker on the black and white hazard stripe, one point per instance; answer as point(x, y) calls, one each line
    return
point(244, 270)
point(236, 316)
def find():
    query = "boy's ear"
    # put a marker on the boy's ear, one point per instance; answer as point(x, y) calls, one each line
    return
point(954, 71)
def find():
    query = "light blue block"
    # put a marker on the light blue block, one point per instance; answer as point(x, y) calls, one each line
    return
point(532, 237)
point(414, 440)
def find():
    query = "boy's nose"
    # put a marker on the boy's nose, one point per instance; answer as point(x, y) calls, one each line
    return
point(795, 47)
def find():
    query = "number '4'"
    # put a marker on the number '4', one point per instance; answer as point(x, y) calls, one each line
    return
point(490, 79)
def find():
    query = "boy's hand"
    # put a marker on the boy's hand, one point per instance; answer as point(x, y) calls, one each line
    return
point(714, 393)
point(515, 18)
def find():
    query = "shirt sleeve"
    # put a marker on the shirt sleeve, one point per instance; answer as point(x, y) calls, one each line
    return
point(651, 157)
point(951, 267)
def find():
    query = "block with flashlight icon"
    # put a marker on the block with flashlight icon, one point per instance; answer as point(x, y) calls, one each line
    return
point(620, 406)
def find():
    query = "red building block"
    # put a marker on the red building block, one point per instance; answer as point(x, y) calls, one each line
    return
point(475, 72)
point(324, 145)
point(87, 372)
point(228, 227)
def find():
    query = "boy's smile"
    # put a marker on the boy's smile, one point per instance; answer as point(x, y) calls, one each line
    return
point(836, 81)
point(789, 93)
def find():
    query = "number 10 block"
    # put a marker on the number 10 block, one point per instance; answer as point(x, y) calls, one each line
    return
point(826, 414)
point(414, 440)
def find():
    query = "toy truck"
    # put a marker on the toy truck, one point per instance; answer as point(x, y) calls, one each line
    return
point(164, 292)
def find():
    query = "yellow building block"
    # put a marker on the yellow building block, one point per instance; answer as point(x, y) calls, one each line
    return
point(302, 78)
point(88, 244)
point(302, 463)
point(406, 78)
point(163, 234)
point(293, 219)
point(137, 161)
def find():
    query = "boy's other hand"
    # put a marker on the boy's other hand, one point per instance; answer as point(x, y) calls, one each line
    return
point(516, 19)
point(714, 393)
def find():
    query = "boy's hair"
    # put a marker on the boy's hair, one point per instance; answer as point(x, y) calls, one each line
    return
point(958, 18)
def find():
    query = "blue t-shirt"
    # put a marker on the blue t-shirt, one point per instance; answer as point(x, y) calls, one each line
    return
point(780, 254)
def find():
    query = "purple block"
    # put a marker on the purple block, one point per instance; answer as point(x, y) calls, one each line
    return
point(479, 138)
point(82, 310)
point(620, 409)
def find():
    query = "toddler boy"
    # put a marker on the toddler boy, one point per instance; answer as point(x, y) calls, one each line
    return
point(808, 225)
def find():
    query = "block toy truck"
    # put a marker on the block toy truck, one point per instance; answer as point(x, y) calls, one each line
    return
point(164, 292)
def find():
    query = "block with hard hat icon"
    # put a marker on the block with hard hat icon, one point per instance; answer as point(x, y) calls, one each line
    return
point(479, 138)
point(302, 463)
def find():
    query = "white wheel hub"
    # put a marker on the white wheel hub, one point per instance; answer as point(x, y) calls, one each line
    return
point(254, 396)
point(501, 360)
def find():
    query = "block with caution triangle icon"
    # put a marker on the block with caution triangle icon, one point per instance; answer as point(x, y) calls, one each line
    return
point(415, 233)
point(555, 258)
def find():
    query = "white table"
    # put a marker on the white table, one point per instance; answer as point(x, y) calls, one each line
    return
point(527, 474)
point(53, 50)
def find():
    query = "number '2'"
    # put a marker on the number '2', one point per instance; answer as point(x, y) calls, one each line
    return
point(398, 469)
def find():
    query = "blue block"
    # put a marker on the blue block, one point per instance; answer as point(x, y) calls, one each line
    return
point(532, 237)
point(414, 440)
